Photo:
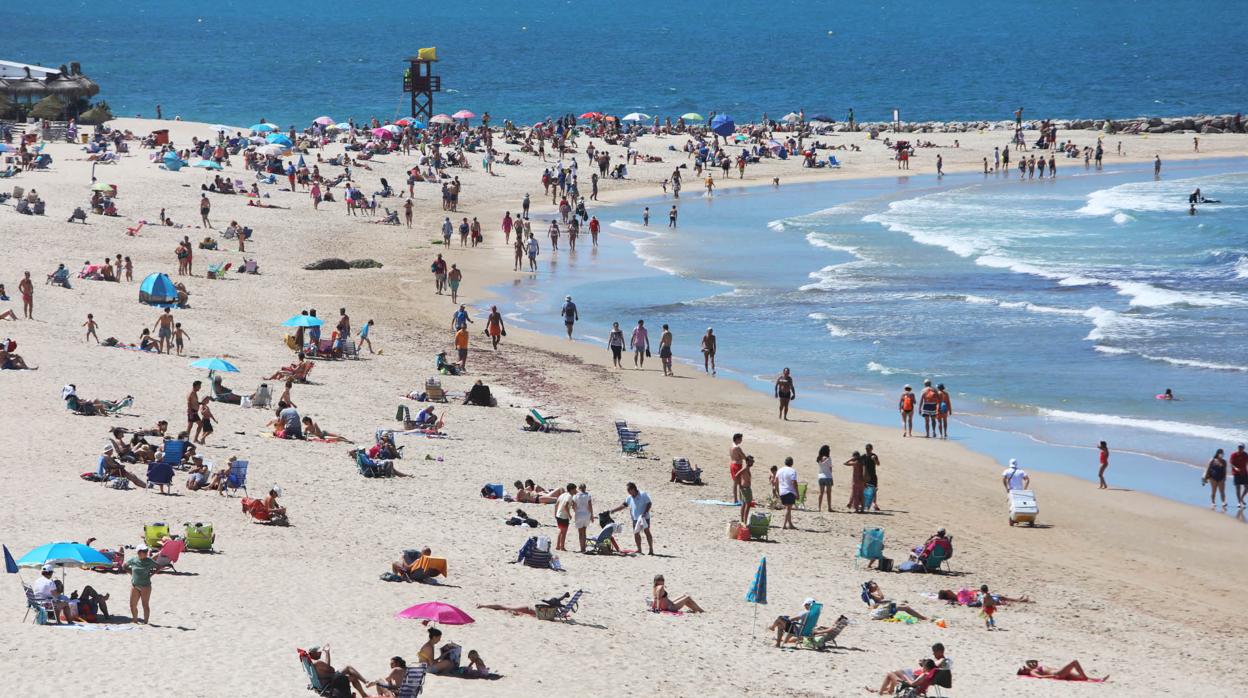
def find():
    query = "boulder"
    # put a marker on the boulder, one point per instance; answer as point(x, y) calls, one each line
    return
point(328, 263)
point(1211, 129)
point(364, 264)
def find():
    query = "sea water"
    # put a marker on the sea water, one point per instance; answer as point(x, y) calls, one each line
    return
point(235, 61)
point(1054, 310)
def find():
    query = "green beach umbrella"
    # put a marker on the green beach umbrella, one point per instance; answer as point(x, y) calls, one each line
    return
point(692, 116)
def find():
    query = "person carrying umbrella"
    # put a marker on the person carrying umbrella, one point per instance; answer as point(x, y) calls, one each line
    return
point(141, 568)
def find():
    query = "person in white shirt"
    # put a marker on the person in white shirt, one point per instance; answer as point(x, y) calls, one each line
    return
point(638, 504)
point(1015, 478)
point(44, 590)
point(786, 478)
point(563, 515)
point(583, 506)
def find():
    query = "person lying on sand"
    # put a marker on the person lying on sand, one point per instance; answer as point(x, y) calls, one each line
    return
point(1071, 672)
point(554, 602)
point(312, 429)
point(13, 362)
point(966, 597)
point(883, 608)
point(260, 204)
point(663, 602)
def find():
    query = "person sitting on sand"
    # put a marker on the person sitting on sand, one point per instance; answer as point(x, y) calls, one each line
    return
point(220, 393)
point(426, 418)
point(918, 679)
point(12, 362)
point(1071, 672)
point(479, 395)
point(663, 602)
point(447, 661)
point(444, 366)
point(198, 475)
point(329, 676)
point(882, 608)
point(313, 430)
point(791, 625)
point(407, 567)
point(276, 512)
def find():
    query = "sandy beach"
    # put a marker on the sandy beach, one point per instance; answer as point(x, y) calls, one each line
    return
point(1131, 585)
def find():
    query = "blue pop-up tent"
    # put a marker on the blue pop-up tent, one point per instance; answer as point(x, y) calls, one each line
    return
point(723, 125)
point(173, 163)
point(158, 289)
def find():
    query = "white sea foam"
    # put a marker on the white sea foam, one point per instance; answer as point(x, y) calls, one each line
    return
point(818, 316)
point(1141, 294)
point(817, 240)
point(881, 368)
point(1023, 305)
point(1122, 219)
point(1187, 363)
point(836, 331)
point(777, 226)
point(1241, 267)
point(1112, 351)
point(1158, 425)
point(836, 277)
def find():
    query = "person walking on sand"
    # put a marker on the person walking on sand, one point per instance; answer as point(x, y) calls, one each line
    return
point(741, 483)
point(870, 477)
point(638, 504)
point(365, 329)
point(786, 391)
point(532, 248)
point(407, 212)
point(615, 340)
point(1215, 477)
point(944, 408)
point(494, 326)
point(736, 461)
point(439, 274)
point(140, 568)
point(563, 516)
point(192, 406)
point(927, 408)
point(824, 462)
point(906, 407)
point(164, 332)
point(1239, 471)
point(179, 337)
point(569, 314)
point(27, 288)
point(205, 207)
point(786, 481)
point(1100, 474)
point(857, 482)
point(91, 326)
point(665, 351)
point(640, 344)
point(206, 418)
point(453, 278)
point(708, 351)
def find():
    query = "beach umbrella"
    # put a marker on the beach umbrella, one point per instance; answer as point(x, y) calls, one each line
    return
point(323, 120)
point(463, 114)
point(279, 138)
point(758, 590)
point(437, 612)
point(404, 121)
point(101, 186)
point(692, 116)
point(63, 554)
point(273, 150)
point(591, 115)
point(723, 125)
point(343, 126)
point(10, 565)
point(5, 148)
point(380, 133)
point(207, 164)
point(441, 119)
point(791, 117)
point(822, 117)
point(215, 364)
point(636, 116)
point(303, 321)
point(394, 129)
point(265, 128)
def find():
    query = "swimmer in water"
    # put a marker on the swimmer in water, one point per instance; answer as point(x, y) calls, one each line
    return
point(1168, 395)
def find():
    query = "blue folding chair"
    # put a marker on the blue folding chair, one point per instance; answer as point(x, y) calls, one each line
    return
point(237, 479)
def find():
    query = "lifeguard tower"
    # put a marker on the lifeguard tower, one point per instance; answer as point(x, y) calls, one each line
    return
point(420, 81)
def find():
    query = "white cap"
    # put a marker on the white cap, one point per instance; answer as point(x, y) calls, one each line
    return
point(143, 549)
point(48, 567)
point(1013, 463)
point(809, 600)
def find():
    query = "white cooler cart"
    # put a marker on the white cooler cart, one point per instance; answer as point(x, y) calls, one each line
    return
point(1023, 508)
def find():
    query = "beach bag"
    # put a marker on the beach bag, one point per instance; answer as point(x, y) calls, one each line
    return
point(543, 544)
point(885, 564)
point(734, 528)
point(119, 483)
point(868, 496)
point(90, 477)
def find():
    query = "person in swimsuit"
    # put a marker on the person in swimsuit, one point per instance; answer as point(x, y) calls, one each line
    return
point(663, 602)
point(906, 406)
point(1071, 672)
point(665, 351)
point(944, 408)
point(741, 482)
point(736, 461)
point(563, 516)
point(786, 391)
point(857, 483)
point(1104, 449)
point(164, 331)
point(640, 344)
point(494, 326)
point(708, 351)
point(824, 462)
point(927, 408)
point(871, 461)
point(27, 288)
point(616, 341)
point(192, 406)
point(1215, 477)
point(1239, 471)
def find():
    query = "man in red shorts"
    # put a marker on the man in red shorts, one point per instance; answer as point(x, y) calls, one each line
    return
point(736, 461)
point(1239, 471)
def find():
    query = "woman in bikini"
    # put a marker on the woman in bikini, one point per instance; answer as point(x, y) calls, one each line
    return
point(314, 430)
point(1071, 672)
point(663, 602)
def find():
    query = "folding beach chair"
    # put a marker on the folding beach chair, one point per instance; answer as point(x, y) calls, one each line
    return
point(218, 271)
point(821, 641)
point(372, 468)
point(199, 536)
point(350, 350)
point(44, 610)
point(566, 609)
point(159, 474)
point(759, 525)
point(237, 479)
point(871, 547)
point(169, 554)
point(173, 452)
point(683, 472)
point(801, 494)
point(937, 557)
point(434, 391)
point(413, 682)
point(604, 543)
point(808, 625)
point(548, 423)
point(153, 533)
point(833, 162)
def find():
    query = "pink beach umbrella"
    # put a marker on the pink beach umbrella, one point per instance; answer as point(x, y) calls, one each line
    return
point(380, 133)
point(324, 121)
point(441, 119)
point(463, 114)
point(437, 612)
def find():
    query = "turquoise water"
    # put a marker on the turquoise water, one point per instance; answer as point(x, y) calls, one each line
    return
point(1053, 310)
point(289, 62)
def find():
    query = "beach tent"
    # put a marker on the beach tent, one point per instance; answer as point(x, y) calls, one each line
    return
point(172, 162)
point(157, 289)
point(723, 125)
point(278, 139)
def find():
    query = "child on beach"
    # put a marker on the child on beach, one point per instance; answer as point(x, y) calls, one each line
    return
point(91, 326)
point(988, 607)
point(179, 335)
point(206, 419)
point(1104, 449)
point(364, 340)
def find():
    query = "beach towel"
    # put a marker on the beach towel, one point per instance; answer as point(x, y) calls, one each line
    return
point(716, 502)
point(1054, 678)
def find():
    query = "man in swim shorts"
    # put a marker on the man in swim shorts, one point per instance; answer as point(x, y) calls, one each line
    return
point(786, 391)
point(164, 331)
point(708, 351)
point(736, 461)
point(742, 482)
point(927, 407)
point(1239, 471)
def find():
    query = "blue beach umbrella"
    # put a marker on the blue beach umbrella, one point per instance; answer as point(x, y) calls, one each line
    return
point(63, 554)
point(10, 565)
point(279, 139)
point(303, 321)
point(264, 128)
point(207, 164)
point(723, 125)
point(758, 590)
point(215, 364)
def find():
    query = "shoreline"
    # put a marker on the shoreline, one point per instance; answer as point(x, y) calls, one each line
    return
point(347, 528)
